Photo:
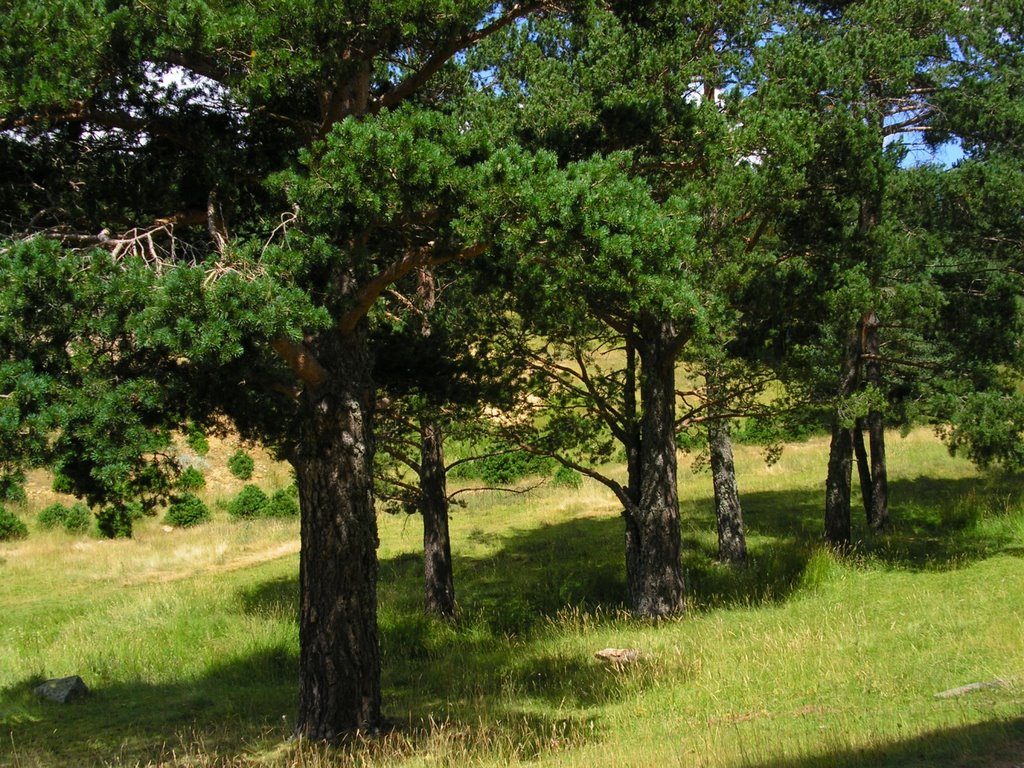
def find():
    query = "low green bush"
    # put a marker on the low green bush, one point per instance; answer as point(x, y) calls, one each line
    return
point(190, 479)
point(186, 511)
point(115, 521)
point(73, 519)
point(283, 503)
point(241, 465)
point(78, 519)
point(11, 526)
point(250, 503)
point(196, 440)
point(565, 477)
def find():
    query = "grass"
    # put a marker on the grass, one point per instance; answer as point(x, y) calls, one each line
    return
point(188, 638)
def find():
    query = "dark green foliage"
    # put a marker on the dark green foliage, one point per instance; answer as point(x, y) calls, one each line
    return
point(11, 526)
point(114, 521)
point(283, 503)
point(241, 465)
point(565, 477)
point(195, 439)
point(78, 519)
point(186, 511)
point(74, 519)
point(507, 467)
point(191, 479)
point(250, 503)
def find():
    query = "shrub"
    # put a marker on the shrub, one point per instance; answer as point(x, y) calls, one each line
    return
point(507, 467)
point(11, 526)
point(241, 465)
point(115, 521)
point(74, 519)
point(196, 440)
point(186, 510)
point(250, 503)
point(282, 504)
point(191, 479)
point(565, 477)
point(52, 516)
point(78, 519)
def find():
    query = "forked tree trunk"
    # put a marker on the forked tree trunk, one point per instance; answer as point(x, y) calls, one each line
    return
point(837, 487)
point(632, 446)
point(653, 530)
point(732, 543)
point(339, 653)
point(438, 579)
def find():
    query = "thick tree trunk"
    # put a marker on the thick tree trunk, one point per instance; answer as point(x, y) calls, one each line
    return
point(339, 654)
point(732, 543)
point(656, 536)
point(438, 579)
point(837, 487)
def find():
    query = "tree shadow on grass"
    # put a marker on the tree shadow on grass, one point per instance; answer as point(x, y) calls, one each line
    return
point(996, 744)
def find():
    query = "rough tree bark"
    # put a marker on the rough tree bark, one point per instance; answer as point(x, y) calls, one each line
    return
point(732, 542)
point(840, 457)
point(339, 658)
point(438, 579)
point(653, 537)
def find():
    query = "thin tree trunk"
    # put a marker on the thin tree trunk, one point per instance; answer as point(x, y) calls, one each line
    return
point(633, 473)
point(732, 543)
point(878, 511)
point(860, 451)
point(339, 653)
point(437, 550)
point(657, 539)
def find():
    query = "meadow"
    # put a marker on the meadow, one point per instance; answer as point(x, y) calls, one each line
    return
point(188, 638)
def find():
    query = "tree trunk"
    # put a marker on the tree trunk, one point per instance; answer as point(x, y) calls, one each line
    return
point(878, 511)
point(632, 447)
point(840, 457)
point(437, 549)
point(860, 451)
point(339, 653)
point(656, 540)
point(837, 487)
point(732, 543)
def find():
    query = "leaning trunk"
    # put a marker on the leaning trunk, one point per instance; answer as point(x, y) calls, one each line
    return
point(339, 654)
point(860, 452)
point(437, 550)
point(732, 543)
point(658, 578)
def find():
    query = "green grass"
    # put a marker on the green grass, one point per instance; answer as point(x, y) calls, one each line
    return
point(189, 642)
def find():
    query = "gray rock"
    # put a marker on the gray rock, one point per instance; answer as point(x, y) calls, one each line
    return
point(953, 693)
point(62, 689)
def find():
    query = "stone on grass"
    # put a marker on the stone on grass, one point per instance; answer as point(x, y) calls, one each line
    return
point(618, 657)
point(62, 689)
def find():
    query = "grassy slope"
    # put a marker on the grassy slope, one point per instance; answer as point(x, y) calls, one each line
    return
point(188, 638)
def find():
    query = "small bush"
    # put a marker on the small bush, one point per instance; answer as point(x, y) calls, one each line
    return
point(186, 510)
point(11, 526)
point(282, 504)
point(74, 519)
point(196, 440)
point(78, 519)
point(241, 465)
point(115, 521)
point(566, 477)
point(507, 467)
point(191, 479)
point(52, 516)
point(250, 503)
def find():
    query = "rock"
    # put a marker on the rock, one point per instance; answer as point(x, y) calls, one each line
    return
point(618, 657)
point(62, 689)
point(970, 688)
